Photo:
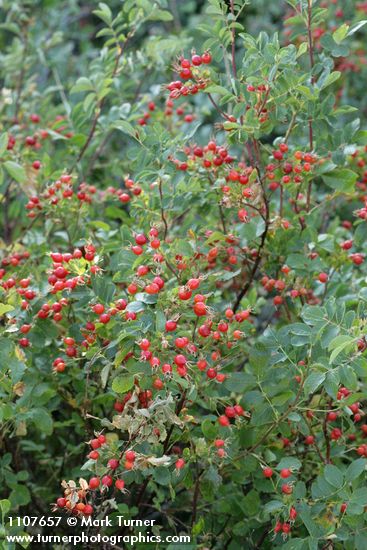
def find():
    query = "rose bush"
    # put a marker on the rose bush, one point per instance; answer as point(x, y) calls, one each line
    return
point(183, 279)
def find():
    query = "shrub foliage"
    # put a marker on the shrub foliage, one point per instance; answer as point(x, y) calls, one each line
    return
point(183, 282)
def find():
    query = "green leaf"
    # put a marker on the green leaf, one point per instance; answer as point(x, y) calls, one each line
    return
point(3, 143)
point(16, 171)
point(160, 320)
point(333, 475)
point(355, 469)
point(313, 381)
point(289, 462)
point(125, 127)
point(20, 496)
point(104, 13)
point(359, 496)
point(314, 315)
point(339, 344)
point(330, 79)
point(42, 419)
point(356, 27)
point(341, 179)
point(198, 527)
point(162, 475)
point(332, 383)
point(123, 383)
point(209, 429)
point(273, 506)
point(104, 375)
point(83, 84)
point(5, 506)
point(160, 15)
point(341, 33)
point(238, 381)
point(5, 308)
point(302, 49)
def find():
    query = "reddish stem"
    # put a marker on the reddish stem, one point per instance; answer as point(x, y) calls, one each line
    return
point(311, 56)
point(234, 67)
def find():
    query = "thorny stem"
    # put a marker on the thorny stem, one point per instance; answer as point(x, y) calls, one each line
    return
point(222, 113)
point(221, 213)
point(21, 75)
point(196, 495)
point(291, 407)
point(106, 138)
point(281, 202)
point(262, 106)
point(166, 444)
point(259, 250)
point(326, 437)
point(311, 56)
point(234, 67)
point(163, 215)
point(317, 448)
point(290, 127)
point(100, 104)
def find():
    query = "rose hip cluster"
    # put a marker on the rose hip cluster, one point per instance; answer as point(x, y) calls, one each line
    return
point(36, 135)
point(123, 196)
point(75, 498)
point(62, 190)
point(288, 287)
point(212, 162)
point(169, 111)
point(231, 413)
point(59, 191)
point(193, 76)
point(210, 156)
point(289, 169)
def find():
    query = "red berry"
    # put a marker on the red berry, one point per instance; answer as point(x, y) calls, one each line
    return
point(120, 484)
point(323, 277)
point(206, 58)
point(113, 463)
point(196, 60)
point(292, 513)
point(107, 481)
point(94, 482)
point(180, 463)
point(130, 456)
point(141, 239)
point(104, 318)
point(171, 326)
point(223, 420)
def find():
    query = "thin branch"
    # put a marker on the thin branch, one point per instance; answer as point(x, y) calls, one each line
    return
point(21, 75)
point(222, 113)
point(100, 104)
point(221, 213)
point(163, 215)
point(326, 437)
point(196, 496)
point(317, 448)
point(290, 127)
point(259, 251)
point(234, 66)
point(311, 56)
